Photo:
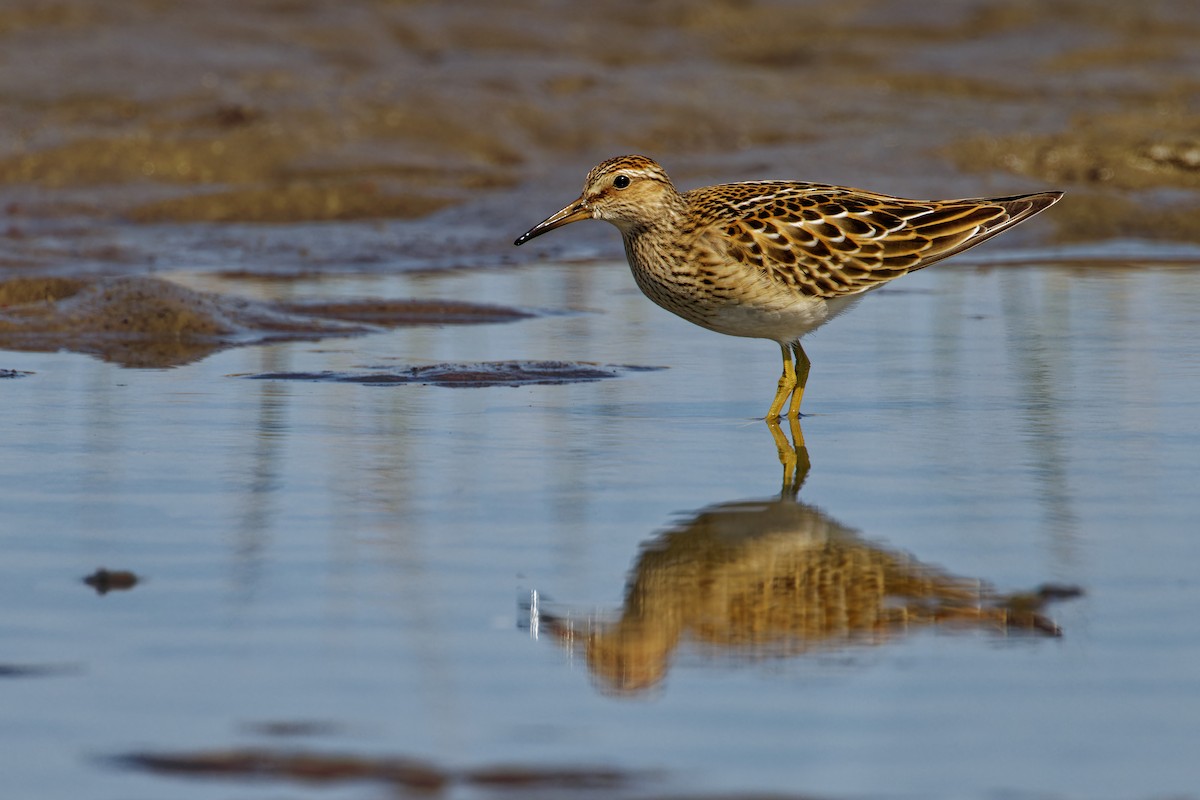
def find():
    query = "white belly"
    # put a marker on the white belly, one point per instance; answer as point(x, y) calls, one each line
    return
point(783, 324)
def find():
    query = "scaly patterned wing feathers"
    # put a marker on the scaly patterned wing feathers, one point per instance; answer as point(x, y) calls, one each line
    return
point(826, 241)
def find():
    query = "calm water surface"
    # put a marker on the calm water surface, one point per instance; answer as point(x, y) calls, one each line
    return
point(361, 556)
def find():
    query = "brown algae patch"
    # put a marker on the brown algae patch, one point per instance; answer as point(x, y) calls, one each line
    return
point(492, 373)
point(141, 321)
point(256, 764)
point(402, 773)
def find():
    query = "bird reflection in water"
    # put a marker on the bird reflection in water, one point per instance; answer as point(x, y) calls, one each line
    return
point(758, 579)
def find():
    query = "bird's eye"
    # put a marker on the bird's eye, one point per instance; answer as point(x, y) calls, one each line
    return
point(621, 181)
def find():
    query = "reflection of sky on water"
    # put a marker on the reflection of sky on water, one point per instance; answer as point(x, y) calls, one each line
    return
point(355, 554)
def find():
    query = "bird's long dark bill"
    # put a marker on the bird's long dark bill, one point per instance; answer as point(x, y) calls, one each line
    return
point(572, 213)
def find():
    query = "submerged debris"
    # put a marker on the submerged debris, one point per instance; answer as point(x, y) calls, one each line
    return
point(403, 313)
point(33, 670)
point(292, 728)
point(105, 580)
point(491, 373)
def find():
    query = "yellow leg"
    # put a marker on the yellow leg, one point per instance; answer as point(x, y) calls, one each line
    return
point(793, 456)
point(801, 373)
point(787, 382)
point(801, 449)
point(786, 451)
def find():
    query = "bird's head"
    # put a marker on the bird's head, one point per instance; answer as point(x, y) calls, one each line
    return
point(631, 192)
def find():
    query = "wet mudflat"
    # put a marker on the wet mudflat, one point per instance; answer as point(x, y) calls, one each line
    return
point(334, 581)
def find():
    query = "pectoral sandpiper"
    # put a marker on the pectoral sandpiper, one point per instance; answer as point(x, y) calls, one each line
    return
point(775, 259)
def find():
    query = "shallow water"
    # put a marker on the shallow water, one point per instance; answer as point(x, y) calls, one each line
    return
point(361, 558)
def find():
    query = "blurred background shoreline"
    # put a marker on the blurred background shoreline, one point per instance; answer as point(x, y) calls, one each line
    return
point(450, 128)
